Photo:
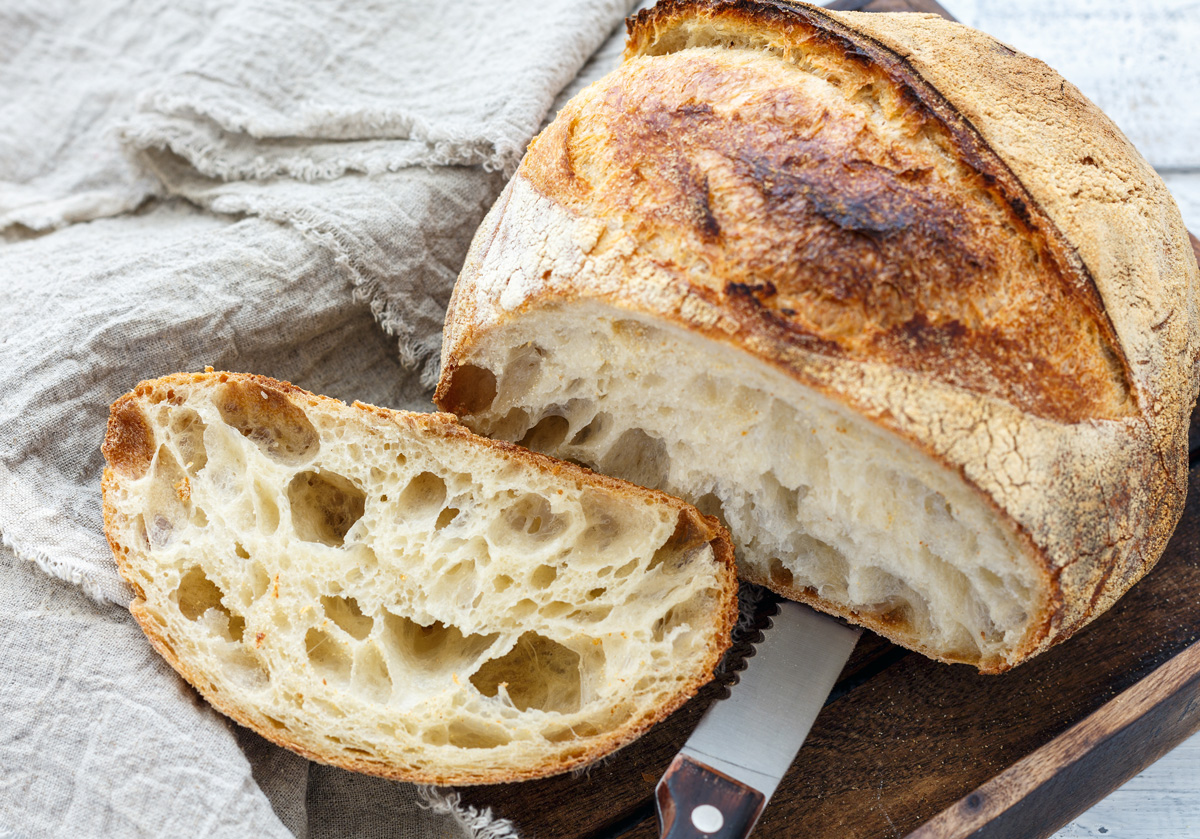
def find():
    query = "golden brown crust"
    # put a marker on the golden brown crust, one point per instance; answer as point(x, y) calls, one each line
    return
point(863, 214)
point(125, 449)
point(1053, 363)
point(129, 439)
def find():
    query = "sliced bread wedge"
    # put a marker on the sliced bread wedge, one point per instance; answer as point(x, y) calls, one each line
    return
point(386, 592)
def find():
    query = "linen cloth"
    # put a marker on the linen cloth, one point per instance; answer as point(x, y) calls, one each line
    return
point(278, 187)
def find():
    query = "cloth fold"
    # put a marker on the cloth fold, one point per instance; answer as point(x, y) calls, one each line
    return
point(313, 91)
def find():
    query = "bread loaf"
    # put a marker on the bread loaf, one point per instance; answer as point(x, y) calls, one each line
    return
point(386, 592)
point(894, 300)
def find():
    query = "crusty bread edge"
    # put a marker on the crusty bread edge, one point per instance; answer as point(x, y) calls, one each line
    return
point(444, 425)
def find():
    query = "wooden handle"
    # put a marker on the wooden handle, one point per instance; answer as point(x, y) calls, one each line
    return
point(698, 802)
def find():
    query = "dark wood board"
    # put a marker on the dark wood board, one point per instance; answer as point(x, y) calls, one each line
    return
point(909, 747)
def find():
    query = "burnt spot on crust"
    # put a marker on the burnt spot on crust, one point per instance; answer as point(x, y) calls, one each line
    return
point(129, 443)
point(851, 194)
point(752, 291)
point(835, 199)
point(707, 224)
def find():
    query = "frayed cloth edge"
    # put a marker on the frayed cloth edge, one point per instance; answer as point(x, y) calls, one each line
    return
point(76, 575)
point(475, 823)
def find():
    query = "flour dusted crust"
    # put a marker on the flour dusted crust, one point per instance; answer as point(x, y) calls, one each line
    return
point(386, 592)
point(907, 232)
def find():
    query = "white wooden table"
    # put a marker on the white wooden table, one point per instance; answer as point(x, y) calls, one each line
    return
point(1140, 62)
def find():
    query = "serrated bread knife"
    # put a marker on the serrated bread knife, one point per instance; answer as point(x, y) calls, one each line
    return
point(722, 778)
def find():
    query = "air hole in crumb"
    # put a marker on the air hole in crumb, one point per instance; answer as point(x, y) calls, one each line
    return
point(991, 579)
point(522, 370)
point(266, 511)
point(523, 609)
point(543, 576)
point(475, 734)
point(371, 675)
point(445, 517)
point(241, 551)
point(434, 648)
point(682, 546)
point(270, 420)
point(187, 433)
point(528, 519)
point(574, 732)
point(637, 457)
point(324, 506)
point(577, 731)
point(424, 495)
point(596, 592)
point(471, 390)
point(501, 583)
point(936, 505)
point(555, 609)
point(260, 581)
point(603, 526)
point(665, 624)
point(436, 736)
point(626, 569)
point(345, 612)
point(459, 574)
point(780, 575)
point(326, 655)
point(197, 594)
point(547, 435)
point(592, 614)
point(710, 505)
point(200, 600)
point(593, 431)
point(537, 673)
point(168, 500)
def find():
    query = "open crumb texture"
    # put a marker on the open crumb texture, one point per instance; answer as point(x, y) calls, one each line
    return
point(386, 592)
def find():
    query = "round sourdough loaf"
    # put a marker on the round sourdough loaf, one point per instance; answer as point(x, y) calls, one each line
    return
point(893, 299)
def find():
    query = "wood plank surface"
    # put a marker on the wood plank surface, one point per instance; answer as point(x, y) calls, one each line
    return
point(906, 744)
point(1041, 789)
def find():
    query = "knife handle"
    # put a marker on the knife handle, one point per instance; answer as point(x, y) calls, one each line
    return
point(698, 802)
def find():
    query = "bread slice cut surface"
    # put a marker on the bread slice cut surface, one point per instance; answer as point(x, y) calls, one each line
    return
point(386, 592)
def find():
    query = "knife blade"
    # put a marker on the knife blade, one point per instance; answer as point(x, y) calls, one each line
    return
point(726, 772)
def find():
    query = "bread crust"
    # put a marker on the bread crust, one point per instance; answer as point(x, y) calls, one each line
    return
point(126, 442)
point(1092, 483)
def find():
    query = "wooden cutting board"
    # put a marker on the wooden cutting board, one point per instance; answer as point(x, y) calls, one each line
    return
point(909, 747)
